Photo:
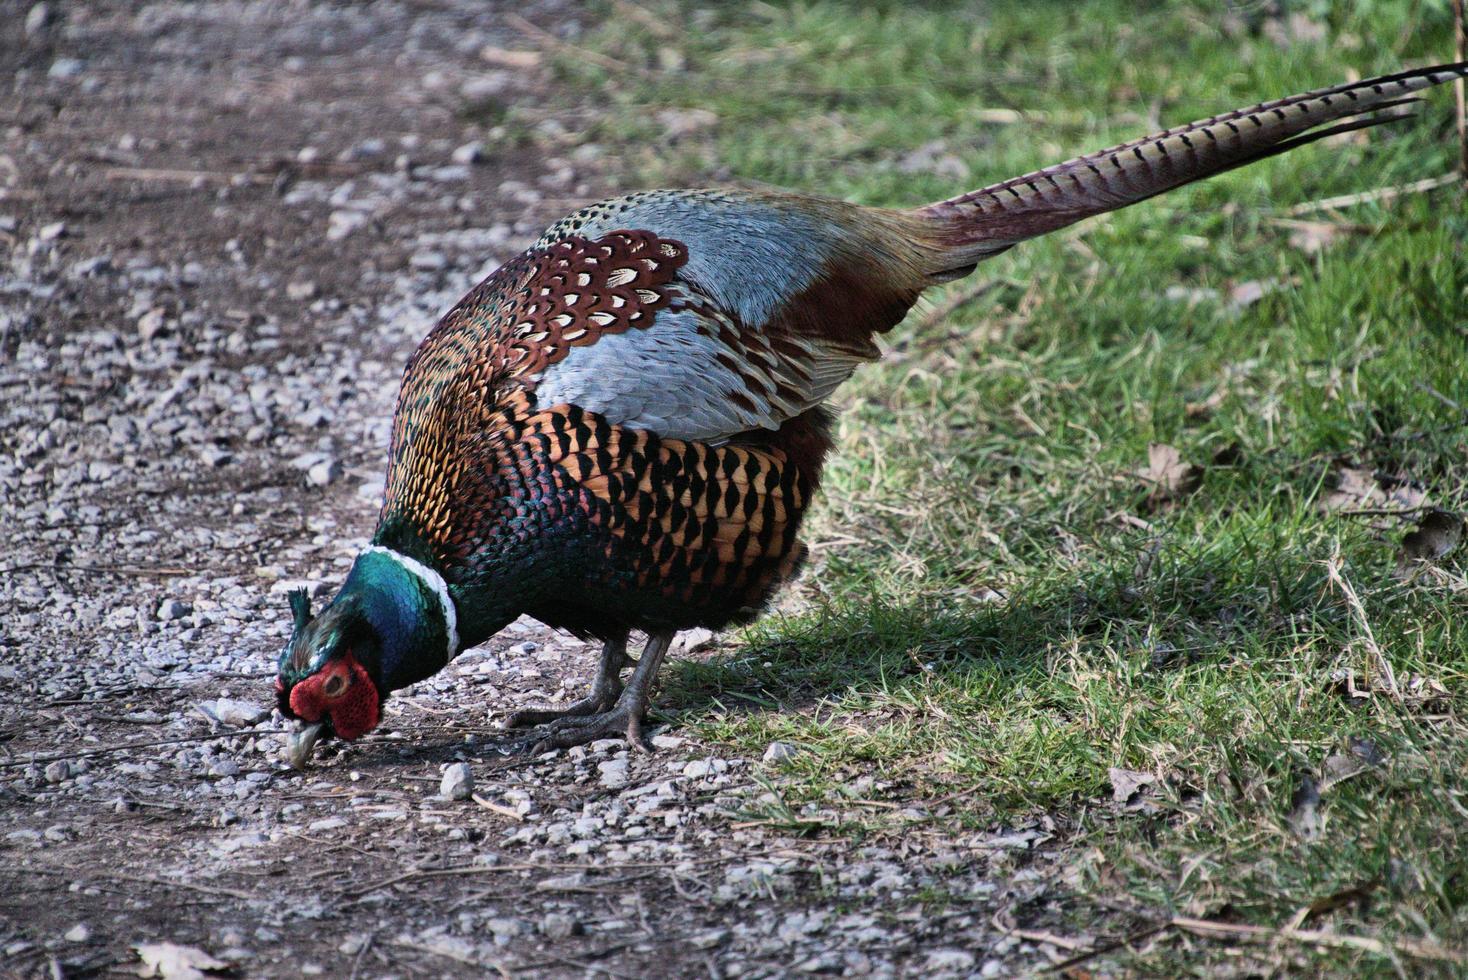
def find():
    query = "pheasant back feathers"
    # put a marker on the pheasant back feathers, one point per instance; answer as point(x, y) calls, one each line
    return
point(498, 483)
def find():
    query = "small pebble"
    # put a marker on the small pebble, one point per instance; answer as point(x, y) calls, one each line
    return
point(37, 19)
point(324, 473)
point(469, 153)
point(457, 782)
point(779, 752)
point(150, 324)
point(613, 773)
point(559, 925)
point(65, 68)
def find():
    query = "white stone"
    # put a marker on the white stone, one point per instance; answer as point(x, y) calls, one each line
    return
point(457, 782)
point(779, 752)
point(324, 473)
point(613, 773)
point(469, 153)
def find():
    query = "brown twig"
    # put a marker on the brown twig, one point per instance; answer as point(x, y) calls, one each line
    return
point(596, 954)
point(1424, 386)
point(647, 19)
point(185, 176)
point(178, 883)
point(456, 957)
point(1421, 949)
point(1380, 194)
point(499, 808)
point(1109, 947)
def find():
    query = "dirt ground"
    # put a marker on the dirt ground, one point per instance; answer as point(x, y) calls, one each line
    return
point(223, 228)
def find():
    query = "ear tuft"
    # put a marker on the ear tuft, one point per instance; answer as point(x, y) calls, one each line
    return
point(300, 608)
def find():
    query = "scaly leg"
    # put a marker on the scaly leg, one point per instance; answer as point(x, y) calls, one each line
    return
point(604, 691)
point(624, 718)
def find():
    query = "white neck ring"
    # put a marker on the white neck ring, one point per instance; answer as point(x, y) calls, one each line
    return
point(439, 587)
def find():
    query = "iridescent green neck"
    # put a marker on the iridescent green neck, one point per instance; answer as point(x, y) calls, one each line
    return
point(486, 594)
point(409, 608)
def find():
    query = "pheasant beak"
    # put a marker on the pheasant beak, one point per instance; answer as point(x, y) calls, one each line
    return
point(339, 699)
point(300, 743)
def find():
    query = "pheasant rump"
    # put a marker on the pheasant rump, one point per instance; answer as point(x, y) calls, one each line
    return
point(622, 428)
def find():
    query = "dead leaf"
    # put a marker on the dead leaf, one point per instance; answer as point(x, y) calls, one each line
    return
point(1361, 755)
point(987, 595)
point(173, 962)
point(1128, 783)
point(1339, 767)
point(1438, 532)
point(1424, 692)
point(1243, 295)
point(1168, 475)
point(1359, 488)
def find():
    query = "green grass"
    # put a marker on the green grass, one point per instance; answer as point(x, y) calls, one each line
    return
point(1201, 639)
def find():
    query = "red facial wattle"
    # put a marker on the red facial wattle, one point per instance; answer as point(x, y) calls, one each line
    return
point(343, 690)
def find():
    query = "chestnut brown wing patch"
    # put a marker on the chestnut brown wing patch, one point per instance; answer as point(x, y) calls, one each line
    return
point(498, 340)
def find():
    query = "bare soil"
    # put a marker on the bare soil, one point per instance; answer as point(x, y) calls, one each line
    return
point(223, 228)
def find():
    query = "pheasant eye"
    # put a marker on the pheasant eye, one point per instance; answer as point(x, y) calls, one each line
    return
point(334, 686)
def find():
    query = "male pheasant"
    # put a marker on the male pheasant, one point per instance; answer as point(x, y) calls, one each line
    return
point(622, 428)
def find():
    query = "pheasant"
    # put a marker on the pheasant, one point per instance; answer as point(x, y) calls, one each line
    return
point(622, 427)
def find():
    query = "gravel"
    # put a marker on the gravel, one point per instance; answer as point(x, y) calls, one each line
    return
point(197, 370)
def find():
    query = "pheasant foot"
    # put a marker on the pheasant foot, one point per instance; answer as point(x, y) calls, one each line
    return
point(621, 719)
point(604, 691)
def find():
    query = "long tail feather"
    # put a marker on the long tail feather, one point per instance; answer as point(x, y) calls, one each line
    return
point(987, 221)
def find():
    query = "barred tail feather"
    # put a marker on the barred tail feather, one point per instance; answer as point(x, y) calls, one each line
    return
point(973, 226)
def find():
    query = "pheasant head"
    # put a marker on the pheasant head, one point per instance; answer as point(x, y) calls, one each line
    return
point(392, 623)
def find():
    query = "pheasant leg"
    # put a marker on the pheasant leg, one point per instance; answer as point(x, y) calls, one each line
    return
point(604, 691)
point(624, 718)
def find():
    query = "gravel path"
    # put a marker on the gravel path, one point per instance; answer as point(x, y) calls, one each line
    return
point(223, 227)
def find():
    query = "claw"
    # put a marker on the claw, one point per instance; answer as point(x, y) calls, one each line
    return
point(617, 722)
point(300, 743)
